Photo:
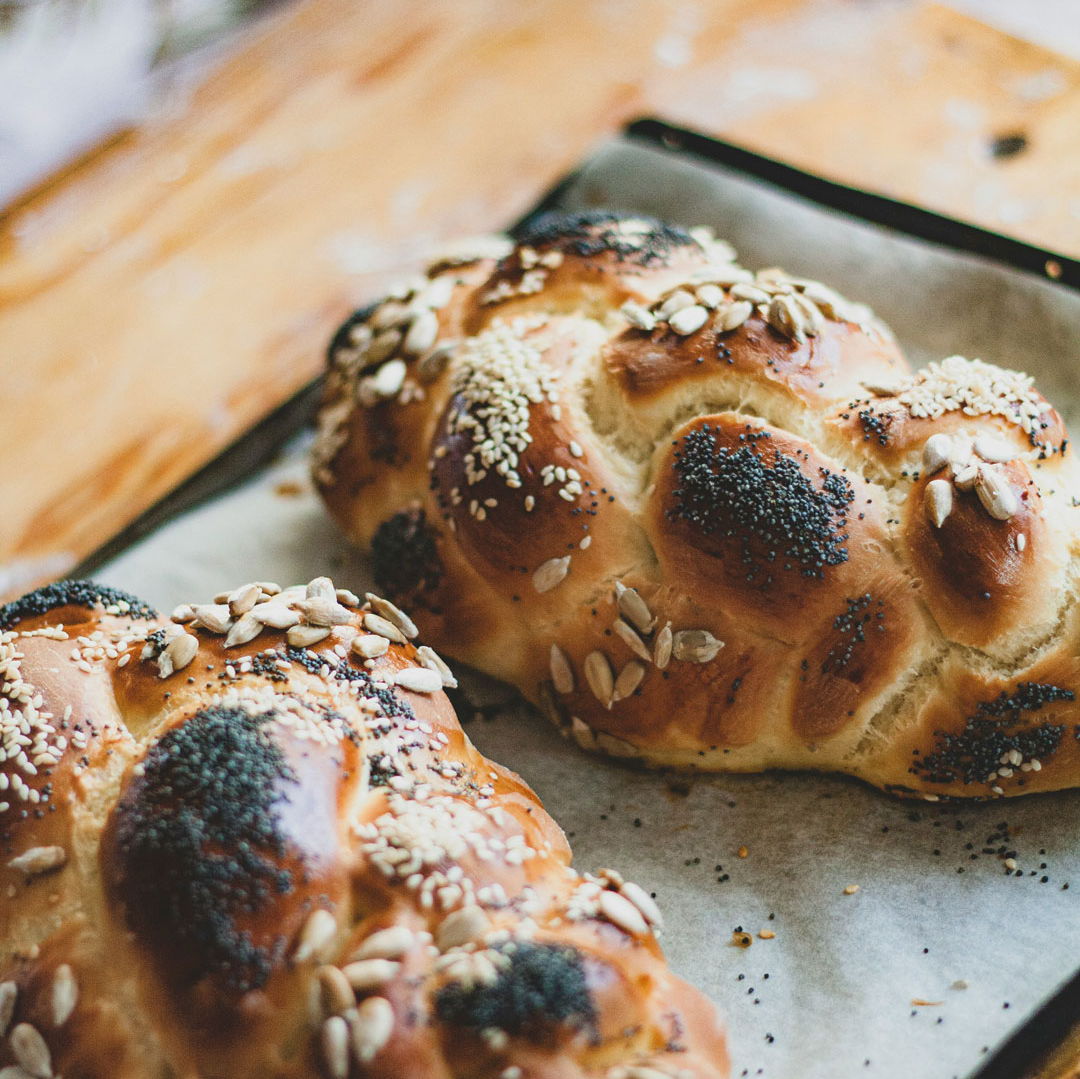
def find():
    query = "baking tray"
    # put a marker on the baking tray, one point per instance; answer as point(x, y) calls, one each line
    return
point(939, 966)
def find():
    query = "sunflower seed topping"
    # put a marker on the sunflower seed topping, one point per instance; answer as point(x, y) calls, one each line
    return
point(678, 301)
point(688, 320)
point(996, 494)
point(629, 679)
point(937, 453)
point(419, 680)
point(621, 912)
point(994, 450)
point(275, 614)
point(320, 611)
point(598, 675)
point(371, 1028)
point(367, 974)
point(639, 317)
point(30, 1051)
point(393, 614)
point(334, 1037)
point(644, 903)
point(316, 936)
point(630, 638)
point(181, 650)
point(562, 674)
point(337, 994)
point(9, 994)
point(422, 333)
point(38, 860)
point(391, 943)
point(431, 659)
point(370, 646)
point(306, 636)
point(733, 315)
point(461, 927)
point(65, 994)
point(633, 608)
point(662, 647)
point(377, 624)
point(246, 628)
point(212, 616)
point(939, 501)
point(695, 646)
point(551, 573)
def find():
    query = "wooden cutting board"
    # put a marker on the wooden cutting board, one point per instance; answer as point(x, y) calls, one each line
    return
point(164, 294)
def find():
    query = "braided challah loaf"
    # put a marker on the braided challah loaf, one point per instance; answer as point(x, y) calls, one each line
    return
point(709, 518)
point(253, 841)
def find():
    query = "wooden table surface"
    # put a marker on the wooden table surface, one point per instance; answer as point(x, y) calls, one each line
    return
point(166, 292)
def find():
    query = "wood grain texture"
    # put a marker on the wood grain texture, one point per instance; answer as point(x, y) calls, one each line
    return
point(162, 295)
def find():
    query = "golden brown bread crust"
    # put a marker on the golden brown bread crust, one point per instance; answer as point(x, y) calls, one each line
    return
point(816, 538)
point(238, 850)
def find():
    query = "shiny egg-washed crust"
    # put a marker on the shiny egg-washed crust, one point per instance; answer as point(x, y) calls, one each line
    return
point(237, 850)
point(612, 404)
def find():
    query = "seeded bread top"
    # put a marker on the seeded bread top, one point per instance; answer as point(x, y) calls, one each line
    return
point(610, 405)
point(252, 839)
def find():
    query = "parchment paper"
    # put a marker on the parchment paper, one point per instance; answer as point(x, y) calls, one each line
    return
point(937, 918)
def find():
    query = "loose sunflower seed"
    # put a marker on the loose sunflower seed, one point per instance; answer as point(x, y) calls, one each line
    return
point(30, 1051)
point(550, 573)
point(630, 638)
point(370, 646)
point(939, 501)
point(184, 613)
point(996, 494)
point(371, 1028)
point(392, 613)
point(633, 608)
point(629, 679)
point(663, 646)
point(65, 994)
point(695, 646)
point(598, 675)
point(562, 673)
point(751, 293)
